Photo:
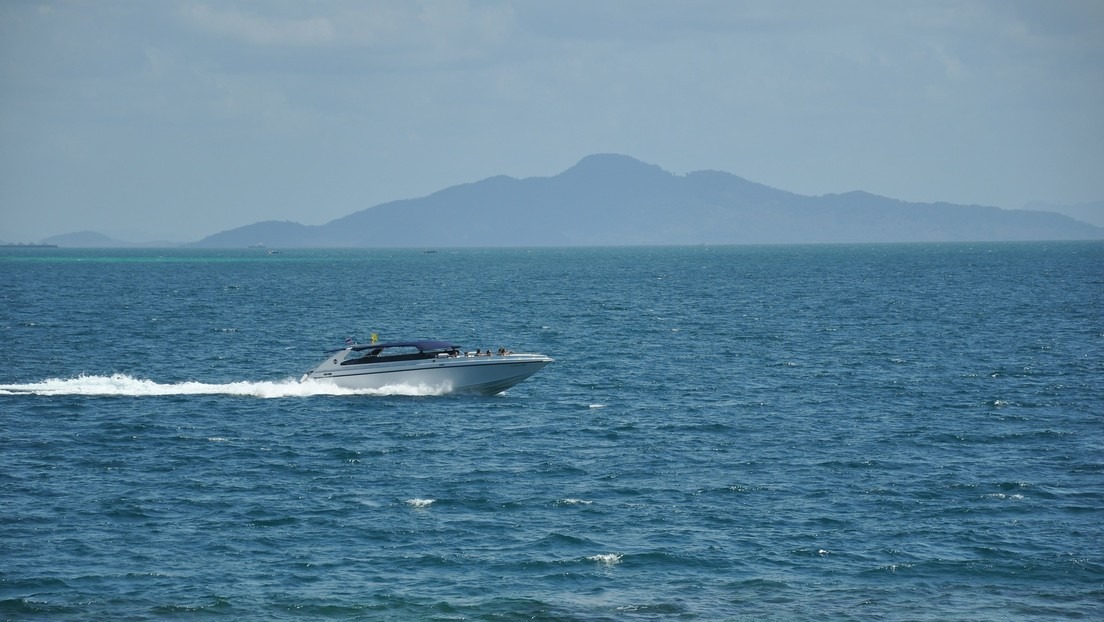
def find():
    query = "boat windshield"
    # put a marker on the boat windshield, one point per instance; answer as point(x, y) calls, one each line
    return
point(384, 354)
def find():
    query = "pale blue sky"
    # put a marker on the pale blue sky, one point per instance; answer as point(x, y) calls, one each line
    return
point(177, 119)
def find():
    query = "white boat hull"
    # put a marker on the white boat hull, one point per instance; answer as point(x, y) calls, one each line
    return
point(481, 375)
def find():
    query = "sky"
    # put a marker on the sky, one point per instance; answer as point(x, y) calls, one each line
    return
point(176, 119)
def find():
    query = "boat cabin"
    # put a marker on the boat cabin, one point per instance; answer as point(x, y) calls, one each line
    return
point(395, 351)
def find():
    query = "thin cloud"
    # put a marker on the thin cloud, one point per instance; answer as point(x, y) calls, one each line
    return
point(258, 30)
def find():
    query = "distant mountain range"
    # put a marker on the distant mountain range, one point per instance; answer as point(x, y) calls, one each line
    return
point(93, 239)
point(1092, 213)
point(617, 200)
point(85, 239)
point(609, 199)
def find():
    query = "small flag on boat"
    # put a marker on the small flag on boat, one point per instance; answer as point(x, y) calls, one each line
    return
point(348, 341)
point(375, 337)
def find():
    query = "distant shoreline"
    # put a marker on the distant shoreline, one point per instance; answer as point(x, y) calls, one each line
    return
point(28, 245)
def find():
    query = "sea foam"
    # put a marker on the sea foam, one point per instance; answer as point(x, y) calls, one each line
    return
point(129, 386)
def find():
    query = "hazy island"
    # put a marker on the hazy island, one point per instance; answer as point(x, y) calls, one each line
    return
point(609, 200)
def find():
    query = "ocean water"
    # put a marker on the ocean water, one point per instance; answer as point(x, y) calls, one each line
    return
point(728, 433)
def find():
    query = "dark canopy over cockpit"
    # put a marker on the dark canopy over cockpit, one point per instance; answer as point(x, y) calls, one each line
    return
point(423, 345)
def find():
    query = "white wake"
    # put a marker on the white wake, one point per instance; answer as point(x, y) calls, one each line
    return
point(128, 386)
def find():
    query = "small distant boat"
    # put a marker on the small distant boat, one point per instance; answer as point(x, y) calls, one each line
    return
point(437, 364)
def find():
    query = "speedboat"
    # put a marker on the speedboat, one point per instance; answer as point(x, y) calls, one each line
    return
point(439, 365)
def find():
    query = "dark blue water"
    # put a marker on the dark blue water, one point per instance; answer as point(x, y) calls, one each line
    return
point(836, 432)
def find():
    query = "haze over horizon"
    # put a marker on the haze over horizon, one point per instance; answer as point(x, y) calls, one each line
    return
point(173, 120)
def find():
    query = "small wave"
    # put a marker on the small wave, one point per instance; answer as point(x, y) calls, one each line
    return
point(574, 502)
point(420, 503)
point(659, 609)
point(606, 559)
point(128, 386)
point(890, 568)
